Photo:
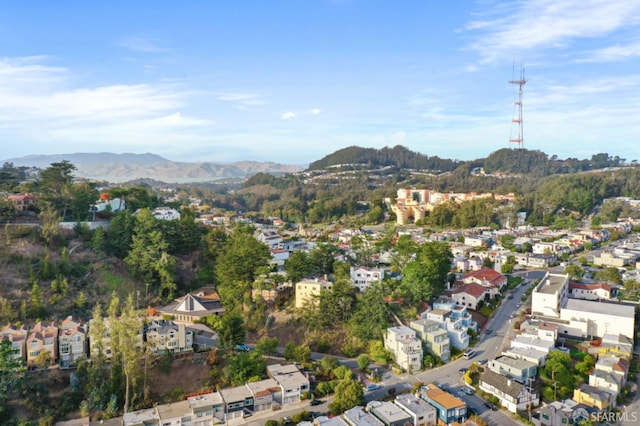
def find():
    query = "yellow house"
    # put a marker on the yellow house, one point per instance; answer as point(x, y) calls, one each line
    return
point(592, 397)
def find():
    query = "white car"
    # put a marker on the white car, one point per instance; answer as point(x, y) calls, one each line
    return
point(468, 391)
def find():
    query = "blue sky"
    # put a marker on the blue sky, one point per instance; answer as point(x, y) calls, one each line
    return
point(294, 80)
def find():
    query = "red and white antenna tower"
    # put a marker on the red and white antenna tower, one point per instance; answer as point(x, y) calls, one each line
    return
point(517, 132)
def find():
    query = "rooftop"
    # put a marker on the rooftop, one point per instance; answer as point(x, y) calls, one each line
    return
point(515, 362)
point(414, 404)
point(552, 284)
point(622, 310)
point(444, 399)
point(387, 411)
point(357, 416)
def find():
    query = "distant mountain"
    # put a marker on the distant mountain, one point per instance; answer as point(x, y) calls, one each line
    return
point(398, 156)
point(125, 167)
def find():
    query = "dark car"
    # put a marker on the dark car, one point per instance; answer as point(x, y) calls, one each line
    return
point(317, 402)
point(491, 406)
point(489, 331)
point(510, 296)
point(463, 370)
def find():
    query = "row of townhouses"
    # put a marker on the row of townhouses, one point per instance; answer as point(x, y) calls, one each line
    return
point(68, 341)
point(285, 385)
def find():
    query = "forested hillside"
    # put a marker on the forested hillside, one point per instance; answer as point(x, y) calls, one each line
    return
point(398, 156)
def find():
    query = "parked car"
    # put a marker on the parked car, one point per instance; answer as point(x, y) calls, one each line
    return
point(492, 407)
point(287, 420)
point(510, 296)
point(371, 387)
point(317, 402)
point(468, 354)
point(489, 331)
point(468, 391)
point(518, 304)
point(463, 370)
point(482, 361)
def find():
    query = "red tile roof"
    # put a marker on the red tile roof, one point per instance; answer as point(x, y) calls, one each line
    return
point(489, 275)
point(473, 289)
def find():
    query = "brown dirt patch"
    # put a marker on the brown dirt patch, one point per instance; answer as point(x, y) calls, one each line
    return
point(188, 375)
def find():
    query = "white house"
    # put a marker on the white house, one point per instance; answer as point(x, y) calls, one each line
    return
point(401, 341)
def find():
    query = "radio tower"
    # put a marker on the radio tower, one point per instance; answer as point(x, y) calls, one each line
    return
point(517, 132)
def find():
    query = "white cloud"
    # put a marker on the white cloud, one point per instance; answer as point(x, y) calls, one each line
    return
point(39, 105)
point(613, 53)
point(315, 111)
point(288, 115)
point(534, 24)
point(242, 100)
point(141, 44)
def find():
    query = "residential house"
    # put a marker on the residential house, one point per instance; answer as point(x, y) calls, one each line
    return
point(362, 277)
point(614, 259)
point(146, 417)
point(194, 306)
point(513, 396)
point(236, 400)
point(518, 369)
point(487, 277)
point(401, 341)
point(436, 339)
point(528, 354)
point(561, 413)
point(17, 335)
point(609, 374)
point(617, 345)
point(388, 413)
point(540, 329)
point(166, 213)
point(168, 336)
point(591, 396)
point(329, 421)
point(72, 342)
point(306, 290)
point(527, 342)
point(103, 342)
point(357, 416)
point(421, 413)
point(173, 413)
point(206, 409)
point(592, 291)
point(203, 336)
point(470, 295)
point(533, 260)
point(279, 256)
point(293, 384)
point(449, 408)
point(42, 338)
point(265, 394)
point(456, 329)
point(22, 202)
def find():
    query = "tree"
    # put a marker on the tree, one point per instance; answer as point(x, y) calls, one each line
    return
point(297, 266)
point(119, 234)
point(238, 265)
point(244, 367)
point(10, 365)
point(149, 260)
point(54, 183)
point(128, 331)
point(371, 316)
point(611, 275)
point(404, 250)
point(426, 276)
point(348, 393)
point(574, 271)
point(266, 345)
point(232, 331)
point(363, 361)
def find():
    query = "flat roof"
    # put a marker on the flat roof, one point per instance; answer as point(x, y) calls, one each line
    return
point(205, 400)
point(389, 411)
point(552, 284)
point(515, 362)
point(239, 393)
point(358, 416)
point(416, 405)
point(172, 410)
point(604, 308)
point(140, 416)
